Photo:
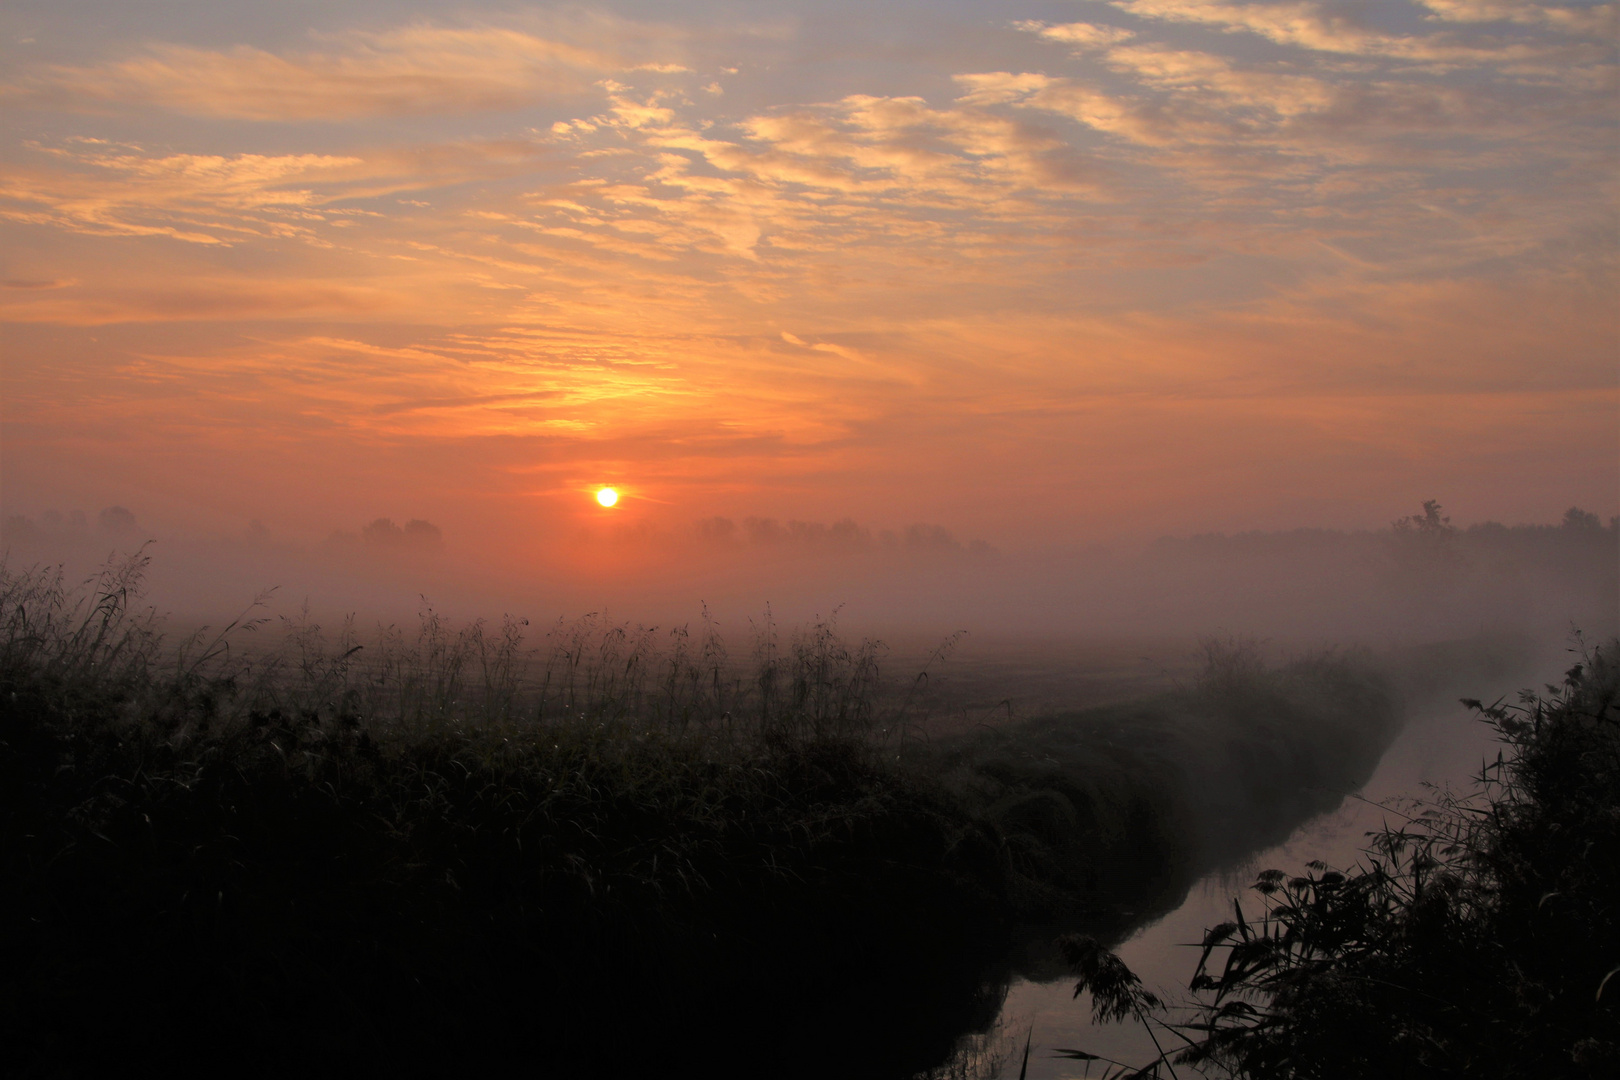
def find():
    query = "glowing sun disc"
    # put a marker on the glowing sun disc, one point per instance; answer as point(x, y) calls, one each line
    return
point(607, 496)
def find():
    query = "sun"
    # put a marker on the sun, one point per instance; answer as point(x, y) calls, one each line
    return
point(607, 496)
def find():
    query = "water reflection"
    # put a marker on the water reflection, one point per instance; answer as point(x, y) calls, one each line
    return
point(1441, 745)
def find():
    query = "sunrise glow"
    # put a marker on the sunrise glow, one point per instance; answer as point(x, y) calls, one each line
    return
point(1045, 275)
point(607, 496)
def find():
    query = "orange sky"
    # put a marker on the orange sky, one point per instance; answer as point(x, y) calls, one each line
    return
point(1041, 274)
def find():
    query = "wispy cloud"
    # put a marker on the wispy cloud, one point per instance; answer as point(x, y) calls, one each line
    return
point(1082, 35)
point(93, 187)
point(1332, 28)
point(109, 190)
point(411, 71)
point(1586, 20)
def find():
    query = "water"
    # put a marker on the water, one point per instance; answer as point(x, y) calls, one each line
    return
point(1441, 744)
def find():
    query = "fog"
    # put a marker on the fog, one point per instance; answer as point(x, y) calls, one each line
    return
point(1422, 578)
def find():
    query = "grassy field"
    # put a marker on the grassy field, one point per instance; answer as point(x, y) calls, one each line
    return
point(598, 850)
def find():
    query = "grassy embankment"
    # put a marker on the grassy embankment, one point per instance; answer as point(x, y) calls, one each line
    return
point(1107, 815)
point(623, 853)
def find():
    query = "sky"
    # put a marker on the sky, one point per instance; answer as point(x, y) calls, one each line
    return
point(1036, 275)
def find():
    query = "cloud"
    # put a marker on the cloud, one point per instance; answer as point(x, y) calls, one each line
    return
point(181, 299)
point(1220, 80)
point(1322, 27)
point(465, 401)
point(1302, 22)
point(666, 195)
point(99, 189)
point(124, 192)
point(1083, 35)
point(414, 70)
point(1586, 20)
point(37, 283)
point(1001, 87)
point(1215, 120)
point(824, 346)
point(862, 170)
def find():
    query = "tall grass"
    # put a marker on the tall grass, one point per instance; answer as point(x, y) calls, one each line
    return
point(452, 844)
point(808, 684)
point(87, 635)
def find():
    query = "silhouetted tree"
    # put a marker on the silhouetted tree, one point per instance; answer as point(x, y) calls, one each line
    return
point(1576, 519)
point(1428, 523)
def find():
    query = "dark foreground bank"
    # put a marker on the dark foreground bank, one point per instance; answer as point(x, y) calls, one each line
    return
point(629, 862)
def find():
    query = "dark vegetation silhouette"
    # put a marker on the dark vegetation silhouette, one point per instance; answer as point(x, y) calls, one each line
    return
point(428, 861)
point(1478, 938)
point(1427, 557)
point(616, 851)
point(1108, 815)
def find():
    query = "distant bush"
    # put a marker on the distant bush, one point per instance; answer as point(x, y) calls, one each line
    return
point(1480, 939)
